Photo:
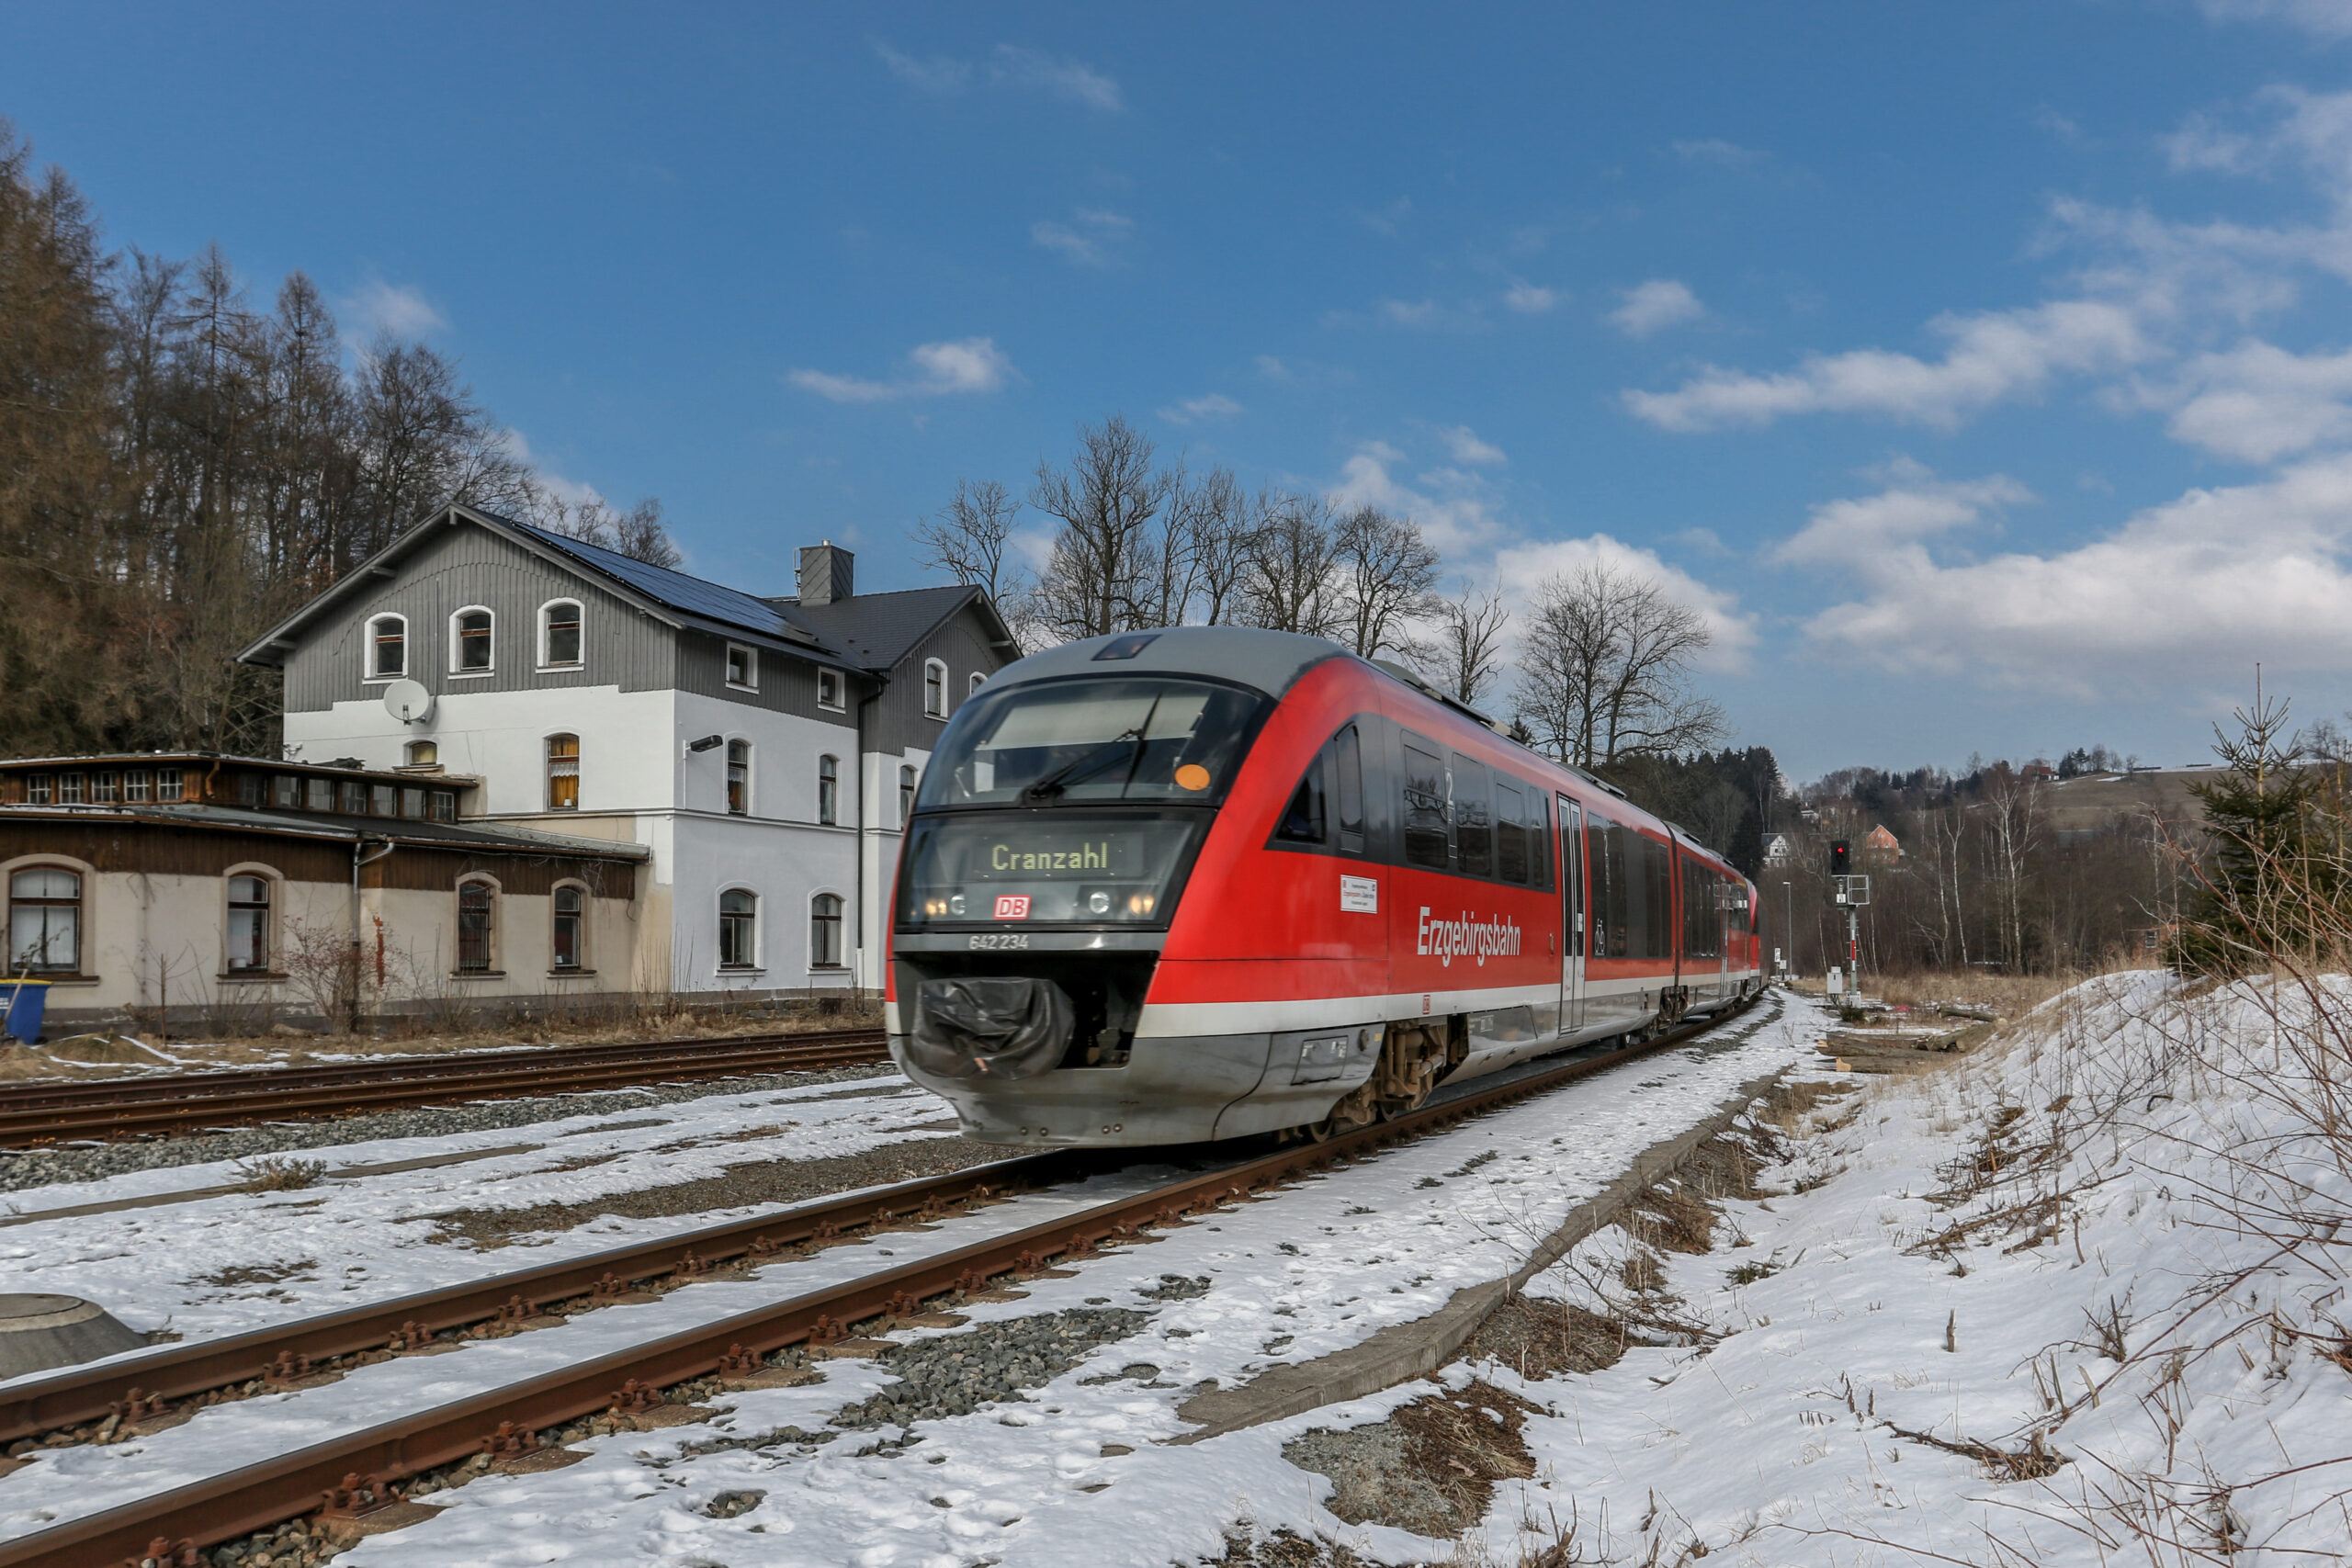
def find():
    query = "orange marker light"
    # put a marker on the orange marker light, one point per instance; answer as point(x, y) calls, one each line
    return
point(1193, 776)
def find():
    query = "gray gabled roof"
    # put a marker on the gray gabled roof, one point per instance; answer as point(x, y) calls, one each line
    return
point(869, 631)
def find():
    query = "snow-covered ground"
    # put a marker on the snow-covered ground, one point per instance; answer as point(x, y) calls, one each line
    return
point(1303, 1273)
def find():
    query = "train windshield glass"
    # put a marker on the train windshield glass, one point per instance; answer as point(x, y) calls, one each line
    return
point(1012, 870)
point(1107, 739)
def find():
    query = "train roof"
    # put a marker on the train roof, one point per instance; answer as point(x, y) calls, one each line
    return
point(1268, 662)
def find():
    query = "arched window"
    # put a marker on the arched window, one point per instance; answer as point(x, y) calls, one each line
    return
point(424, 753)
point(563, 772)
point(559, 635)
point(477, 927)
point(45, 921)
point(469, 642)
point(738, 778)
point(828, 790)
point(934, 689)
point(906, 793)
point(824, 932)
point(386, 647)
point(980, 677)
point(570, 927)
point(738, 929)
point(249, 929)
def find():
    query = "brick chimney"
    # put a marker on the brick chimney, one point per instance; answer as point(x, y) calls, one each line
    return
point(826, 573)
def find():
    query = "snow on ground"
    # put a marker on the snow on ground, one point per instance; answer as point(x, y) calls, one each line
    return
point(1311, 1270)
point(347, 1242)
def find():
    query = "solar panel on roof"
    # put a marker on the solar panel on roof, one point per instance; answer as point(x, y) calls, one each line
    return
point(674, 588)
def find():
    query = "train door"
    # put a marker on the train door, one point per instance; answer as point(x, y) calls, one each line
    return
point(1572, 938)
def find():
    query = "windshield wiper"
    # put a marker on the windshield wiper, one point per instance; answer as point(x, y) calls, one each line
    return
point(1051, 784)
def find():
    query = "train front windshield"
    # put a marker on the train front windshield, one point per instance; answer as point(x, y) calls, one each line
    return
point(1075, 802)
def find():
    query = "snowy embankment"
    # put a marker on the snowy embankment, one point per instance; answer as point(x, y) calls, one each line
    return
point(2078, 1299)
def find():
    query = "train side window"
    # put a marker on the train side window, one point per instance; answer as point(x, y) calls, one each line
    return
point(1303, 818)
point(1539, 838)
point(1474, 824)
point(1611, 887)
point(1424, 792)
point(1510, 832)
point(1658, 895)
point(1347, 764)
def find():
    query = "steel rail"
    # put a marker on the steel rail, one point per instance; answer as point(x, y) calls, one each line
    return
point(197, 1099)
point(255, 1497)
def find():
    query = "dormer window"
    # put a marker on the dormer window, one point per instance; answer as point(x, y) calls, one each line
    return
point(559, 635)
point(743, 666)
point(469, 642)
point(829, 689)
point(387, 647)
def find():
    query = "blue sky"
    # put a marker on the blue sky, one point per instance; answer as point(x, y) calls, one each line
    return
point(1982, 370)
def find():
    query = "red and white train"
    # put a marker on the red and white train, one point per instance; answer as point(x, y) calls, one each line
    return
point(1207, 882)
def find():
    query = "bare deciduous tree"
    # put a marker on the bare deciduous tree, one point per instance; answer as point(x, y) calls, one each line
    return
point(1385, 571)
point(1218, 523)
point(1286, 583)
point(1107, 553)
point(1465, 653)
point(968, 538)
point(1604, 670)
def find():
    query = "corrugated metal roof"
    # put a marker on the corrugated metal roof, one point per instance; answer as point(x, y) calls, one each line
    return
point(329, 825)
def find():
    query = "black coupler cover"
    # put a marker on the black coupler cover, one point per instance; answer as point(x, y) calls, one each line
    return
point(1001, 1027)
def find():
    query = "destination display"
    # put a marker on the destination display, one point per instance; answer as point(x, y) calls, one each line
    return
point(1041, 868)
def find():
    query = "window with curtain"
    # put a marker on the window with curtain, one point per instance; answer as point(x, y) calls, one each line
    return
point(563, 772)
point(828, 790)
point(469, 642)
point(248, 923)
point(738, 914)
point(562, 632)
point(571, 907)
point(825, 931)
point(477, 926)
point(45, 921)
point(738, 778)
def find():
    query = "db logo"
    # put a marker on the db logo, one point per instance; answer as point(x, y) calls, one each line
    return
point(1013, 906)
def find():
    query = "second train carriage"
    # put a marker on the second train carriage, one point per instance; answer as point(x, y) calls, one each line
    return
point(1208, 882)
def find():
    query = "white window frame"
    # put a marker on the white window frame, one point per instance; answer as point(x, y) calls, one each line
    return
point(972, 687)
point(487, 670)
point(910, 785)
point(929, 666)
point(834, 820)
point(750, 669)
point(269, 876)
point(840, 690)
point(750, 775)
point(841, 965)
point(758, 964)
point(545, 663)
point(367, 652)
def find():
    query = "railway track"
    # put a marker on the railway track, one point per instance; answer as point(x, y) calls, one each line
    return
point(348, 1477)
point(37, 1114)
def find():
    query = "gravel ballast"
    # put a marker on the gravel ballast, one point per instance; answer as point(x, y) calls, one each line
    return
point(23, 1169)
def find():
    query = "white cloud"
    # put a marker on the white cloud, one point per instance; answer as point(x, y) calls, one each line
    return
point(1408, 313)
point(2258, 401)
point(1464, 445)
point(2322, 18)
point(964, 365)
point(1862, 532)
point(1009, 67)
point(1994, 357)
point(1456, 510)
point(1723, 155)
point(404, 312)
point(1654, 306)
point(1522, 569)
point(1531, 300)
point(1274, 369)
point(1088, 240)
point(1193, 410)
point(2179, 594)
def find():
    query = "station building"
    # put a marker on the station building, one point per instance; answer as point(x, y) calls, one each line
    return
point(718, 779)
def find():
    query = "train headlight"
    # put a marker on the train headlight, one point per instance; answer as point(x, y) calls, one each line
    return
point(955, 905)
point(1098, 902)
point(935, 907)
point(1141, 903)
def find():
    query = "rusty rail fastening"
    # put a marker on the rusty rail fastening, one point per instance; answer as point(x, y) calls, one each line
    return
point(37, 1113)
point(165, 1531)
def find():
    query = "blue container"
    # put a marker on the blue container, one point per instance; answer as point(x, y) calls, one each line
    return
point(25, 1001)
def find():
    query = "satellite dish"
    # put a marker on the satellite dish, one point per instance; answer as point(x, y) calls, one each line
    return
point(408, 701)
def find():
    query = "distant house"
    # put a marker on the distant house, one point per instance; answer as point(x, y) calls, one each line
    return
point(765, 752)
point(1780, 850)
point(1881, 847)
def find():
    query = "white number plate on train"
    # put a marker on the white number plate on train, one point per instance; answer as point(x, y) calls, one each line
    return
point(983, 941)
